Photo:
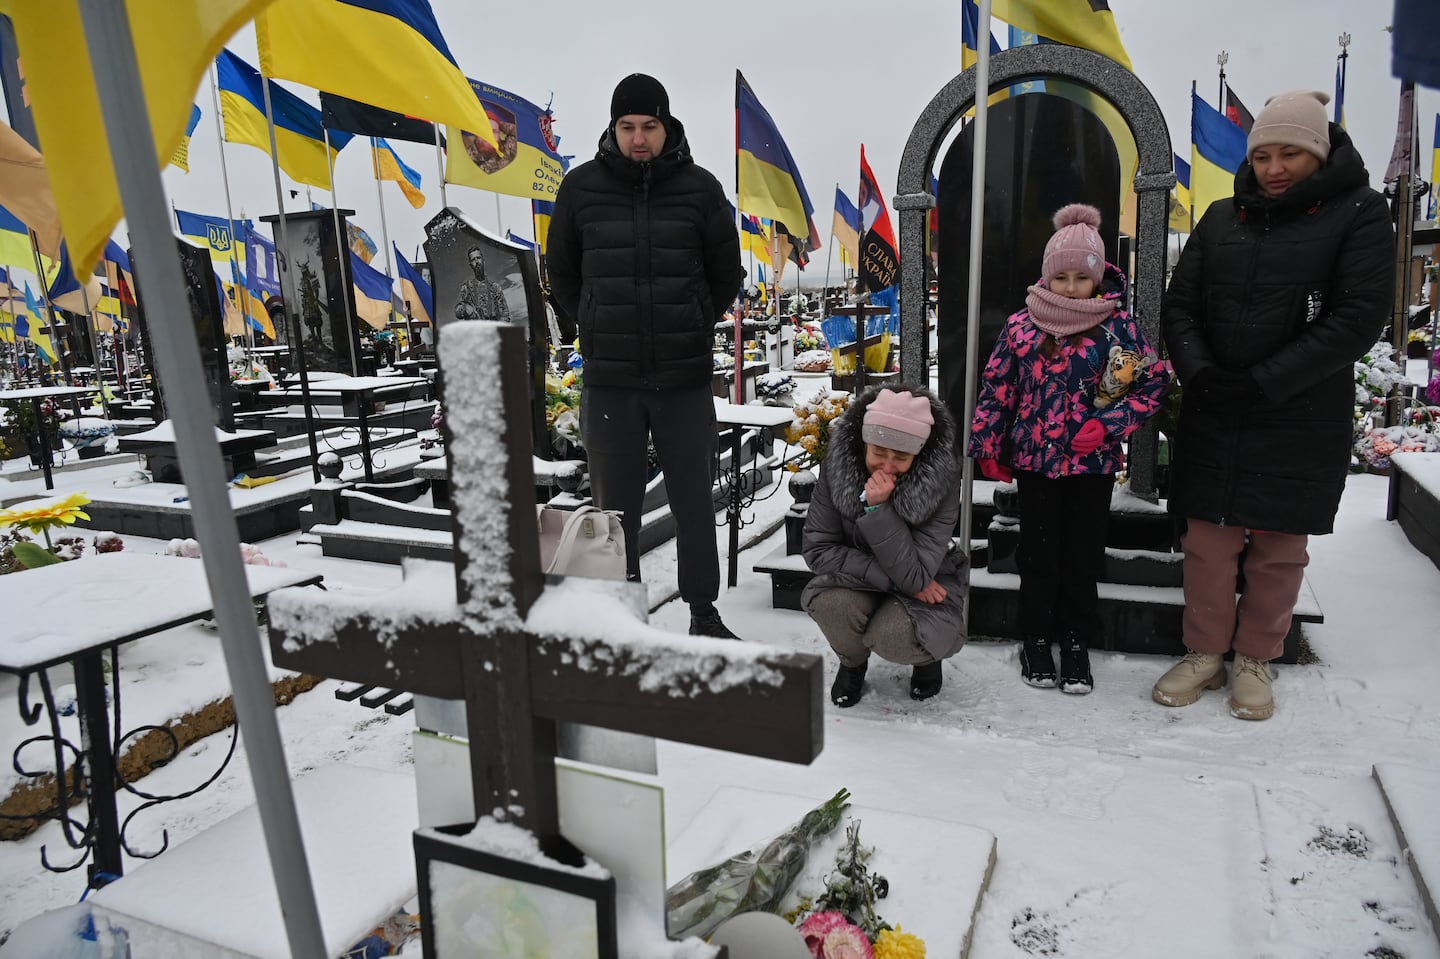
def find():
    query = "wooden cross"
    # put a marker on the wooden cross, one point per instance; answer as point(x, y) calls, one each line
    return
point(517, 682)
point(860, 311)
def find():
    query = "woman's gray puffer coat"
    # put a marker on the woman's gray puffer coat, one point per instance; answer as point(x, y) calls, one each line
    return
point(900, 547)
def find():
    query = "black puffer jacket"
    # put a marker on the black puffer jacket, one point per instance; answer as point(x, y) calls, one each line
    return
point(900, 547)
point(1294, 289)
point(644, 259)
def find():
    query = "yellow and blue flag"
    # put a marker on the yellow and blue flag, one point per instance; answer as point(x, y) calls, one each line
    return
point(260, 265)
point(414, 291)
point(846, 229)
point(1340, 90)
point(1217, 148)
point(217, 234)
point(526, 160)
point(181, 156)
point(361, 243)
point(1181, 219)
point(68, 293)
point(174, 44)
point(387, 53)
point(373, 298)
point(34, 330)
point(15, 241)
point(299, 134)
point(25, 190)
point(389, 166)
point(753, 238)
point(970, 35)
point(540, 213)
point(1078, 23)
point(768, 178)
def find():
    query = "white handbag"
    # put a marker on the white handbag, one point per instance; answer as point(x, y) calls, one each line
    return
point(584, 541)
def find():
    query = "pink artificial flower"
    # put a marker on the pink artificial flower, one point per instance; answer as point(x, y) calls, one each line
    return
point(817, 926)
point(847, 942)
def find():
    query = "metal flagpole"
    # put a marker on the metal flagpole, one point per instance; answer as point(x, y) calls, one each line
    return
point(440, 166)
point(1222, 59)
point(230, 219)
point(290, 294)
point(342, 244)
point(127, 126)
point(385, 230)
point(499, 226)
point(829, 256)
point(977, 237)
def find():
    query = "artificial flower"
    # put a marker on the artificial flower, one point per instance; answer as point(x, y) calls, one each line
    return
point(895, 944)
point(817, 926)
point(846, 942)
point(40, 519)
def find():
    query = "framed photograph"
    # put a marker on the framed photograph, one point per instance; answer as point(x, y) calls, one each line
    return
point(479, 904)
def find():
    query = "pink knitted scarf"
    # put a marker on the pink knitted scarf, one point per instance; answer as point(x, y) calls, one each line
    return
point(1063, 316)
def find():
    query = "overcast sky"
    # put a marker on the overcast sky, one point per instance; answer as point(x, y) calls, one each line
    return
point(833, 75)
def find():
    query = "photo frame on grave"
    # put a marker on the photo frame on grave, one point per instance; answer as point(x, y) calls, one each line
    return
point(469, 897)
point(477, 275)
point(319, 304)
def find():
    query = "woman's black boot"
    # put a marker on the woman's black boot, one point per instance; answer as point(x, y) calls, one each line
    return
point(848, 686)
point(925, 680)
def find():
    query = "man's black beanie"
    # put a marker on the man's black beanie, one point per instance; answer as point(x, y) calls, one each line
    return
point(640, 95)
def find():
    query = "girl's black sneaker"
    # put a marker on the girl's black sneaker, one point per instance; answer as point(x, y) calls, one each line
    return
point(1037, 663)
point(1075, 675)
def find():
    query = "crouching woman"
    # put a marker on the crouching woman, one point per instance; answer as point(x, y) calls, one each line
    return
point(878, 538)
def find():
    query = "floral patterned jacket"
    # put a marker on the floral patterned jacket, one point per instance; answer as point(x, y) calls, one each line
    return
point(1039, 403)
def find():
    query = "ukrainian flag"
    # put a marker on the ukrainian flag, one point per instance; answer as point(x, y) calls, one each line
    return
point(15, 241)
point(372, 293)
point(540, 212)
point(299, 134)
point(181, 156)
point(416, 293)
point(43, 346)
point(1181, 219)
point(389, 166)
point(1217, 148)
point(970, 35)
point(768, 178)
point(1078, 23)
point(387, 53)
point(68, 293)
point(215, 233)
point(752, 237)
point(846, 229)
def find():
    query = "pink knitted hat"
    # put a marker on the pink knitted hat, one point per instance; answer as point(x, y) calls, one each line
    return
point(1076, 244)
point(898, 420)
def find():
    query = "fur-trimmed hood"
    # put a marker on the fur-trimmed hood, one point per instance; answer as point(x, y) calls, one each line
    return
point(936, 469)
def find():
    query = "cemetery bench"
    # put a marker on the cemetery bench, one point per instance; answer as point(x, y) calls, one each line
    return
point(163, 458)
point(37, 395)
point(1414, 500)
point(72, 614)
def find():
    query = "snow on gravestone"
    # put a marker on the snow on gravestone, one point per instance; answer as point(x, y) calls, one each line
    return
point(523, 661)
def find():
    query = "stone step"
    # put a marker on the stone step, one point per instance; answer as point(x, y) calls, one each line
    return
point(1139, 567)
point(1135, 619)
point(1409, 794)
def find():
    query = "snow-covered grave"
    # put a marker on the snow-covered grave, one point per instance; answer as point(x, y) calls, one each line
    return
point(1410, 800)
point(525, 657)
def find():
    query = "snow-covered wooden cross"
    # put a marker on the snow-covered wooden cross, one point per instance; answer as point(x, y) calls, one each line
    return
point(524, 656)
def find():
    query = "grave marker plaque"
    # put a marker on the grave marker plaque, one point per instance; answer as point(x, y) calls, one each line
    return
point(319, 299)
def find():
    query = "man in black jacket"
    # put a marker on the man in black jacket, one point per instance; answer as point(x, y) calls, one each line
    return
point(644, 259)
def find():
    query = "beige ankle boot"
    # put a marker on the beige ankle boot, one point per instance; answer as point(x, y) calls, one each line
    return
point(1250, 693)
point(1187, 679)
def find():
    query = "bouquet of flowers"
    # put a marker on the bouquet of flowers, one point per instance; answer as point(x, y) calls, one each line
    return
point(842, 922)
point(562, 407)
point(21, 553)
point(1376, 446)
point(810, 426)
point(1376, 374)
point(775, 388)
point(751, 881)
point(808, 337)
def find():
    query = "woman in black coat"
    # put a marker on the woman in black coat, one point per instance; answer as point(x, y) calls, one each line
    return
point(1278, 292)
point(878, 536)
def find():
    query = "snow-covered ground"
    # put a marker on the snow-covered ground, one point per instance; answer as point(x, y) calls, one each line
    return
point(1124, 828)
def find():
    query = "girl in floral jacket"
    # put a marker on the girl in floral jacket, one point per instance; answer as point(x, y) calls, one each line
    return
point(1071, 376)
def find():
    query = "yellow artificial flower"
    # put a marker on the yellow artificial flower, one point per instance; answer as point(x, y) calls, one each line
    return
point(809, 443)
point(62, 512)
point(894, 944)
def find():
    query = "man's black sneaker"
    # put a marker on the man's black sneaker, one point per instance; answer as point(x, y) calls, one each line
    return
point(710, 624)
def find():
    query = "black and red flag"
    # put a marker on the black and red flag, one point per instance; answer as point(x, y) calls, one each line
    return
point(879, 262)
point(1235, 111)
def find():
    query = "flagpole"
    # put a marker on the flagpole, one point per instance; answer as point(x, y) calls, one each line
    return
point(56, 340)
point(981, 127)
point(440, 166)
point(290, 298)
point(1344, 59)
point(740, 321)
point(343, 246)
point(1222, 59)
point(829, 256)
point(385, 230)
point(230, 219)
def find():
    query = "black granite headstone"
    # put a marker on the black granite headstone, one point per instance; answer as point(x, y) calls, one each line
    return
point(479, 276)
point(319, 302)
point(202, 290)
point(1042, 152)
